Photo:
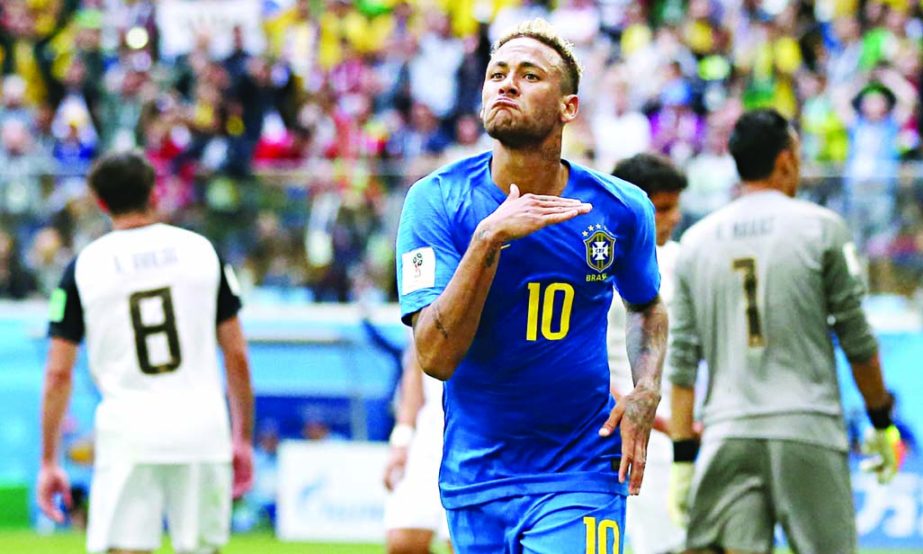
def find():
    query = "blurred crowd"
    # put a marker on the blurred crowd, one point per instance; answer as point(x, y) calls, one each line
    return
point(289, 130)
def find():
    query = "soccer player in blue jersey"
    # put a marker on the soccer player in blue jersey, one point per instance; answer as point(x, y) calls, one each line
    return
point(506, 264)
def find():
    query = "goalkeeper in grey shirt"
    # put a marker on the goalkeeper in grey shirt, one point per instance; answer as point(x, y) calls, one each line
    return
point(760, 286)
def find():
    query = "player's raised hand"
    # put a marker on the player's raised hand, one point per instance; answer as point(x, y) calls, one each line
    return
point(635, 412)
point(243, 469)
point(51, 482)
point(521, 215)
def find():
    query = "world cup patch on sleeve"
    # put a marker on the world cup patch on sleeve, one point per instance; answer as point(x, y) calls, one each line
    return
point(418, 270)
point(57, 305)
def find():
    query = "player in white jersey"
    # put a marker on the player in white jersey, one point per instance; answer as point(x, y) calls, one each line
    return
point(414, 515)
point(649, 528)
point(153, 304)
point(761, 285)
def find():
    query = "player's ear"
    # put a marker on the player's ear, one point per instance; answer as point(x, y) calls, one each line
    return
point(570, 105)
point(101, 203)
point(153, 200)
point(785, 163)
point(786, 171)
point(778, 168)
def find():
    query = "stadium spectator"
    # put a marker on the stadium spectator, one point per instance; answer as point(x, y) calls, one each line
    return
point(514, 12)
point(25, 167)
point(469, 139)
point(434, 68)
point(16, 282)
point(422, 135)
point(712, 176)
point(47, 257)
point(677, 130)
point(873, 117)
point(128, 92)
point(618, 130)
point(12, 101)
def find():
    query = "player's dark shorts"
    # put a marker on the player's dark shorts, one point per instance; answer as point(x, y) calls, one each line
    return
point(743, 487)
point(556, 523)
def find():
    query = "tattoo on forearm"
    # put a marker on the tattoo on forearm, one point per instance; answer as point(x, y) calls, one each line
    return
point(491, 258)
point(642, 410)
point(492, 254)
point(437, 320)
point(646, 338)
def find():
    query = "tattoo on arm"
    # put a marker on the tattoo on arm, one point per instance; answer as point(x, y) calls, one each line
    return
point(491, 258)
point(646, 339)
point(642, 410)
point(492, 254)
point(437, 319)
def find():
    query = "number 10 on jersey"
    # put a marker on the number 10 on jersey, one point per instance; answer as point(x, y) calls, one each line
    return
point(598, 533)
point(547, 300)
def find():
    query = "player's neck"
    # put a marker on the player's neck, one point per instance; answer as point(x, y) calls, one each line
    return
point(133, 220)
point(536, 170)
point(752, 187)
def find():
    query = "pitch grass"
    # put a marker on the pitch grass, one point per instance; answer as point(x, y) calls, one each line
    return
point(28, 542)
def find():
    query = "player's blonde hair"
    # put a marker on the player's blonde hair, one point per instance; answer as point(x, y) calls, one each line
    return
point(542, 31)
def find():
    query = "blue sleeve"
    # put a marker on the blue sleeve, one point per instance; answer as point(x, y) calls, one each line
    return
point(426, 253)
point(637, 277)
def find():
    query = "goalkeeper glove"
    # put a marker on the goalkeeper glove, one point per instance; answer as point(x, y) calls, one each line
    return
point(678, 493)
point(881, 445)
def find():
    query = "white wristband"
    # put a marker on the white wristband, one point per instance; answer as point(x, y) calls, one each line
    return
point(401, 435)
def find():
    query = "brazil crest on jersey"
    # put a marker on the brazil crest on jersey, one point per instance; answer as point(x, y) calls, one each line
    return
point(524, 406)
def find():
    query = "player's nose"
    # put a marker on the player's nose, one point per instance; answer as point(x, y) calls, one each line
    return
point(508, 87)
point(675, 216)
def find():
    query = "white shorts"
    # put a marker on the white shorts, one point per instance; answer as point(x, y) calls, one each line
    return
point(414, 503)
point(128, 504)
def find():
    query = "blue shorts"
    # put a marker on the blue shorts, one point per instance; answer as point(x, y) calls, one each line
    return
point(557, 523)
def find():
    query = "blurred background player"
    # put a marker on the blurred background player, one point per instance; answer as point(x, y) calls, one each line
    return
point(760, 286)
point(650, 530)
point(506, 276)
point(414, 515)
point(153, 302)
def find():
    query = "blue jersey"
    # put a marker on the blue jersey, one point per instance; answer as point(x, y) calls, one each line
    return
point(524, 406)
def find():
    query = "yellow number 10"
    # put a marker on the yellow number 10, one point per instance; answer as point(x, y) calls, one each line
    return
point(551, 291)
point(603, 533)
